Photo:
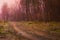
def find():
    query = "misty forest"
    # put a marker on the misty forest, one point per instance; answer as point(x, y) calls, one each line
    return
point(29, 20)
point(32, 10)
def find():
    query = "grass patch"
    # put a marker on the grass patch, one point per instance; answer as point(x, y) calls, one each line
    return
point(31, 27)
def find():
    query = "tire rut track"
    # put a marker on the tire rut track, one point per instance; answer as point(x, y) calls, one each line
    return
point(23, 33)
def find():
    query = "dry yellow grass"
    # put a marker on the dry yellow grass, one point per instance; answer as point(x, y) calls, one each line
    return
point(36, 29)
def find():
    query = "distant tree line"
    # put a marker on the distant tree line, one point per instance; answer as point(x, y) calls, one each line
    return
point(33, 10)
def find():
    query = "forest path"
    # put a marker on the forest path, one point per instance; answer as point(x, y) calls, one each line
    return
point(27, 31)
point(23, 33)
point(20, 31)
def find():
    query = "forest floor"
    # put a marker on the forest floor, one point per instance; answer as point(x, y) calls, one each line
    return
point(27, 30)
